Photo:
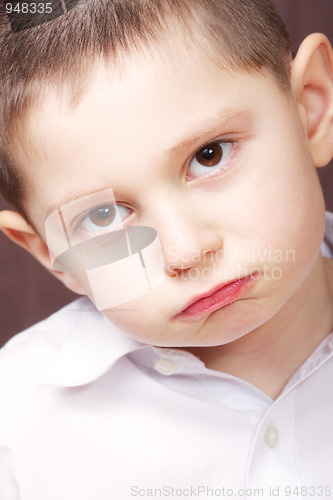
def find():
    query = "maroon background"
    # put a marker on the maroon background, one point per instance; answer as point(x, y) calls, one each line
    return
point(28, 293)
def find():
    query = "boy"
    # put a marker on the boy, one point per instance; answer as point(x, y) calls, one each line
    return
point(179, 130)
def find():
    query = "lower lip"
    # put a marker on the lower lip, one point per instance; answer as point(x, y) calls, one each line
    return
point(221, 298)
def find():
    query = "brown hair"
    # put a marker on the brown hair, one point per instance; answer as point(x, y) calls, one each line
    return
point(245, 34)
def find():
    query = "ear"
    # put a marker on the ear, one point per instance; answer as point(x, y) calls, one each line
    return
point(14, 226)
point(312, 86)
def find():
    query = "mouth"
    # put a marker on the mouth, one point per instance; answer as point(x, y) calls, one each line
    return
point(215, 299)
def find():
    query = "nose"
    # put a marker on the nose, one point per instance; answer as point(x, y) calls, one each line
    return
point(186, 240)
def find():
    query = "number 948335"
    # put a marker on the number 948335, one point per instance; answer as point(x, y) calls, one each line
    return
point(29, 8)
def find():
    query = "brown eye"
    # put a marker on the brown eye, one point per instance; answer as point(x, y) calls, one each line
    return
point(102, 216)
point(210, 159)
point(211, 155)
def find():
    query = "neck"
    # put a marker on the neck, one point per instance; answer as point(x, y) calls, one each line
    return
point(269, 355)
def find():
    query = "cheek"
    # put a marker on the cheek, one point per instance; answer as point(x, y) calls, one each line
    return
point(295, 215)
point(276, 214)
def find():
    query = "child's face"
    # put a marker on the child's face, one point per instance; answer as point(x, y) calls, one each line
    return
point(249, 204)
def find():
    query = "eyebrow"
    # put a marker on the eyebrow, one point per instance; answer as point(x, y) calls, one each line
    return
point(221, 120)
point(203, 133)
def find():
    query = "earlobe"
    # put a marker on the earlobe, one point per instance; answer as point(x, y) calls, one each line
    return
point(15, 227)
point(312, 86)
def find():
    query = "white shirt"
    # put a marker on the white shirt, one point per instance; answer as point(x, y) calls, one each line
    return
point(86, 413)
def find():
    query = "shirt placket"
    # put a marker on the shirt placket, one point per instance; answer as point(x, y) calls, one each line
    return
point(272, 468)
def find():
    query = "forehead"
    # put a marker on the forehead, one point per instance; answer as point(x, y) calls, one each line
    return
point(146, 116)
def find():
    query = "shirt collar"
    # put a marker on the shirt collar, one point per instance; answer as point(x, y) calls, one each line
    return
point(94, 344)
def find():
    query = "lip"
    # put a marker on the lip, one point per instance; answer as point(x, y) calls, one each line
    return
point(218, 297)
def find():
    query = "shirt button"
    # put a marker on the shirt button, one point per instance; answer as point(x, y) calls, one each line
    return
point(165, 367)
point(271, 436)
